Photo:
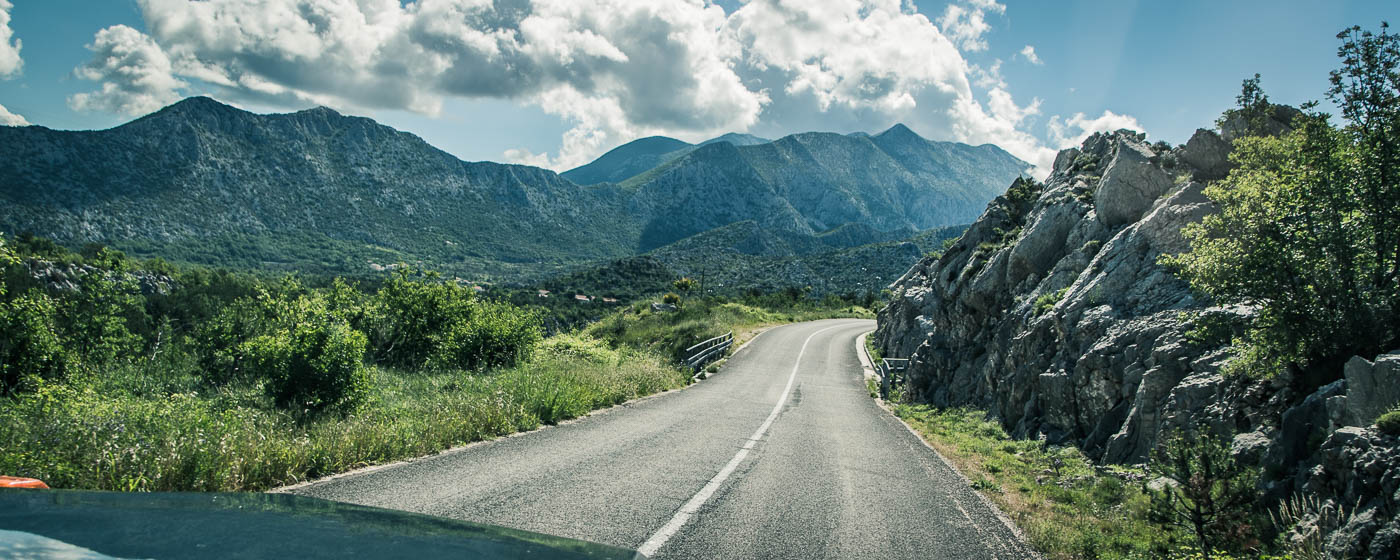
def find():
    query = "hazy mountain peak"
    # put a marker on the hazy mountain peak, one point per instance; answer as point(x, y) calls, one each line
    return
point(627, 160)
point(738, 139)
point(900, 132)
point(320, 110)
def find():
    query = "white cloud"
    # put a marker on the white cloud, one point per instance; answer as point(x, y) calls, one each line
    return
point(1028, 53)
point(10, 119)
point(965, 24)
point(989, 77)
point(136, 75)
point(10, 62)
point(614, 70)
point(1072, 132)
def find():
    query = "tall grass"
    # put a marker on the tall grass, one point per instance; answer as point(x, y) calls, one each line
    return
point(146, 428)
point(1067, 507)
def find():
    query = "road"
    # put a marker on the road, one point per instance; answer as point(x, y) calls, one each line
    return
point(781, 454)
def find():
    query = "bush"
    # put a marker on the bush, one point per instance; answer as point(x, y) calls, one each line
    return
point(1047, 301)
point(1209, 494)
point(99, 322)
point(1389, 423)
point(313, 367)
point(30, 349)
point(219, 341)
point(671, 298)
point(1308, 231)
point(493, 335)
point(423, 322)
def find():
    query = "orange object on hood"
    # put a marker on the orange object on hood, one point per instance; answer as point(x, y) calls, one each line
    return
point(16, 482)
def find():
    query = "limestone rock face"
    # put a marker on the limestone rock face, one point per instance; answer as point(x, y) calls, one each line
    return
point(1053, 314)
point(1130, 184)
point(1099, 367)
point(1206, 151)
point(1372, 388)
point(1355, 481)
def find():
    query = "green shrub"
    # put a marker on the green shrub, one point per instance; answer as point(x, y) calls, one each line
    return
point(1210, 494)
point(578, 347)
point(1389, 423)
point(219, 341)
point(671, 298)
point(412, 316)
point(1307, 231)
point(492, 335)
point(1047, 301)
point(99, 323)
point(30, 348)
point(313, 367)
point(423, 322)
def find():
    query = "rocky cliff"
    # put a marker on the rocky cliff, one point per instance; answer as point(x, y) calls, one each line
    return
point(1053, 314)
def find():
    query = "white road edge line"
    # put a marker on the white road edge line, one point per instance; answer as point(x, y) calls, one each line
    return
point(683, 515)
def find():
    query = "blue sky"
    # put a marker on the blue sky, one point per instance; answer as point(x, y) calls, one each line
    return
point(570, 83)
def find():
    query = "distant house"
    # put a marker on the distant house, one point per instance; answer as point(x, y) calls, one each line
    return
point(544, 293)
point(609, 300)
point(582, 298)
point(478, 289)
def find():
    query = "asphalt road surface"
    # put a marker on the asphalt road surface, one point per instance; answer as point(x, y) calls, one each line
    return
point(781, 454)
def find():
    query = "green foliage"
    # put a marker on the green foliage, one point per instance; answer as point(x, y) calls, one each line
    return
point(223, 381)
point(493, 335)
point(100, 320)
point(1068, 507)
point(425, 322)
point(1209, 494)
point(671, 298)
point(316, 365)
point(107, 435)
point(1389, 423)
point(684, 285)
point(30, 349)
point(1048, 300)
point(414, 316)
point(1309, 231)
point(1252, 105)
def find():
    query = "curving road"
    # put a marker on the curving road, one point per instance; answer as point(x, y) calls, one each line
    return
point(782, 454)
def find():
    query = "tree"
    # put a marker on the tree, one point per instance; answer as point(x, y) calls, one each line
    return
point(1308, 223)
point(1367, 88)
point(1209, 494)
point(684, 285)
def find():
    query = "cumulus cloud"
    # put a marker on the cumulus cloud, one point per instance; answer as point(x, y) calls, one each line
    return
point(1068, 133)
point(136, 75)
point(613, 70)
point(10, 62)
point(1028, 53)
point(10, 119)
point(965, 23)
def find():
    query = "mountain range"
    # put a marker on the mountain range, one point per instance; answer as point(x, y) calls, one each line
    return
point(205, 182)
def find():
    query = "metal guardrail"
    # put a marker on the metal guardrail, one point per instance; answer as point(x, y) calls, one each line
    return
point(891, 372)
point(708, 351)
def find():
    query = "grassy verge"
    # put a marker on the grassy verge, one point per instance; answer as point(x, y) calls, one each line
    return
point(147, 428)
point(1067, 507)
point(670, 333)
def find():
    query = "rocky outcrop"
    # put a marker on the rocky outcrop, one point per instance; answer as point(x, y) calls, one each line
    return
point(1372, 388)
point(1353, 490)
point(1053, 313)
point(1068, 327)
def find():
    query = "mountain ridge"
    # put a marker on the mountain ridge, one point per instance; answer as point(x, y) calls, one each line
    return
point(318, 190)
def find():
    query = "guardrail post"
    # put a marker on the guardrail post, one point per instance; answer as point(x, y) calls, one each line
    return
point(884, 371)
point(708, 350)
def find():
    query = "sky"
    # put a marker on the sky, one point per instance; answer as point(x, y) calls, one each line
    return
point(556, 83)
